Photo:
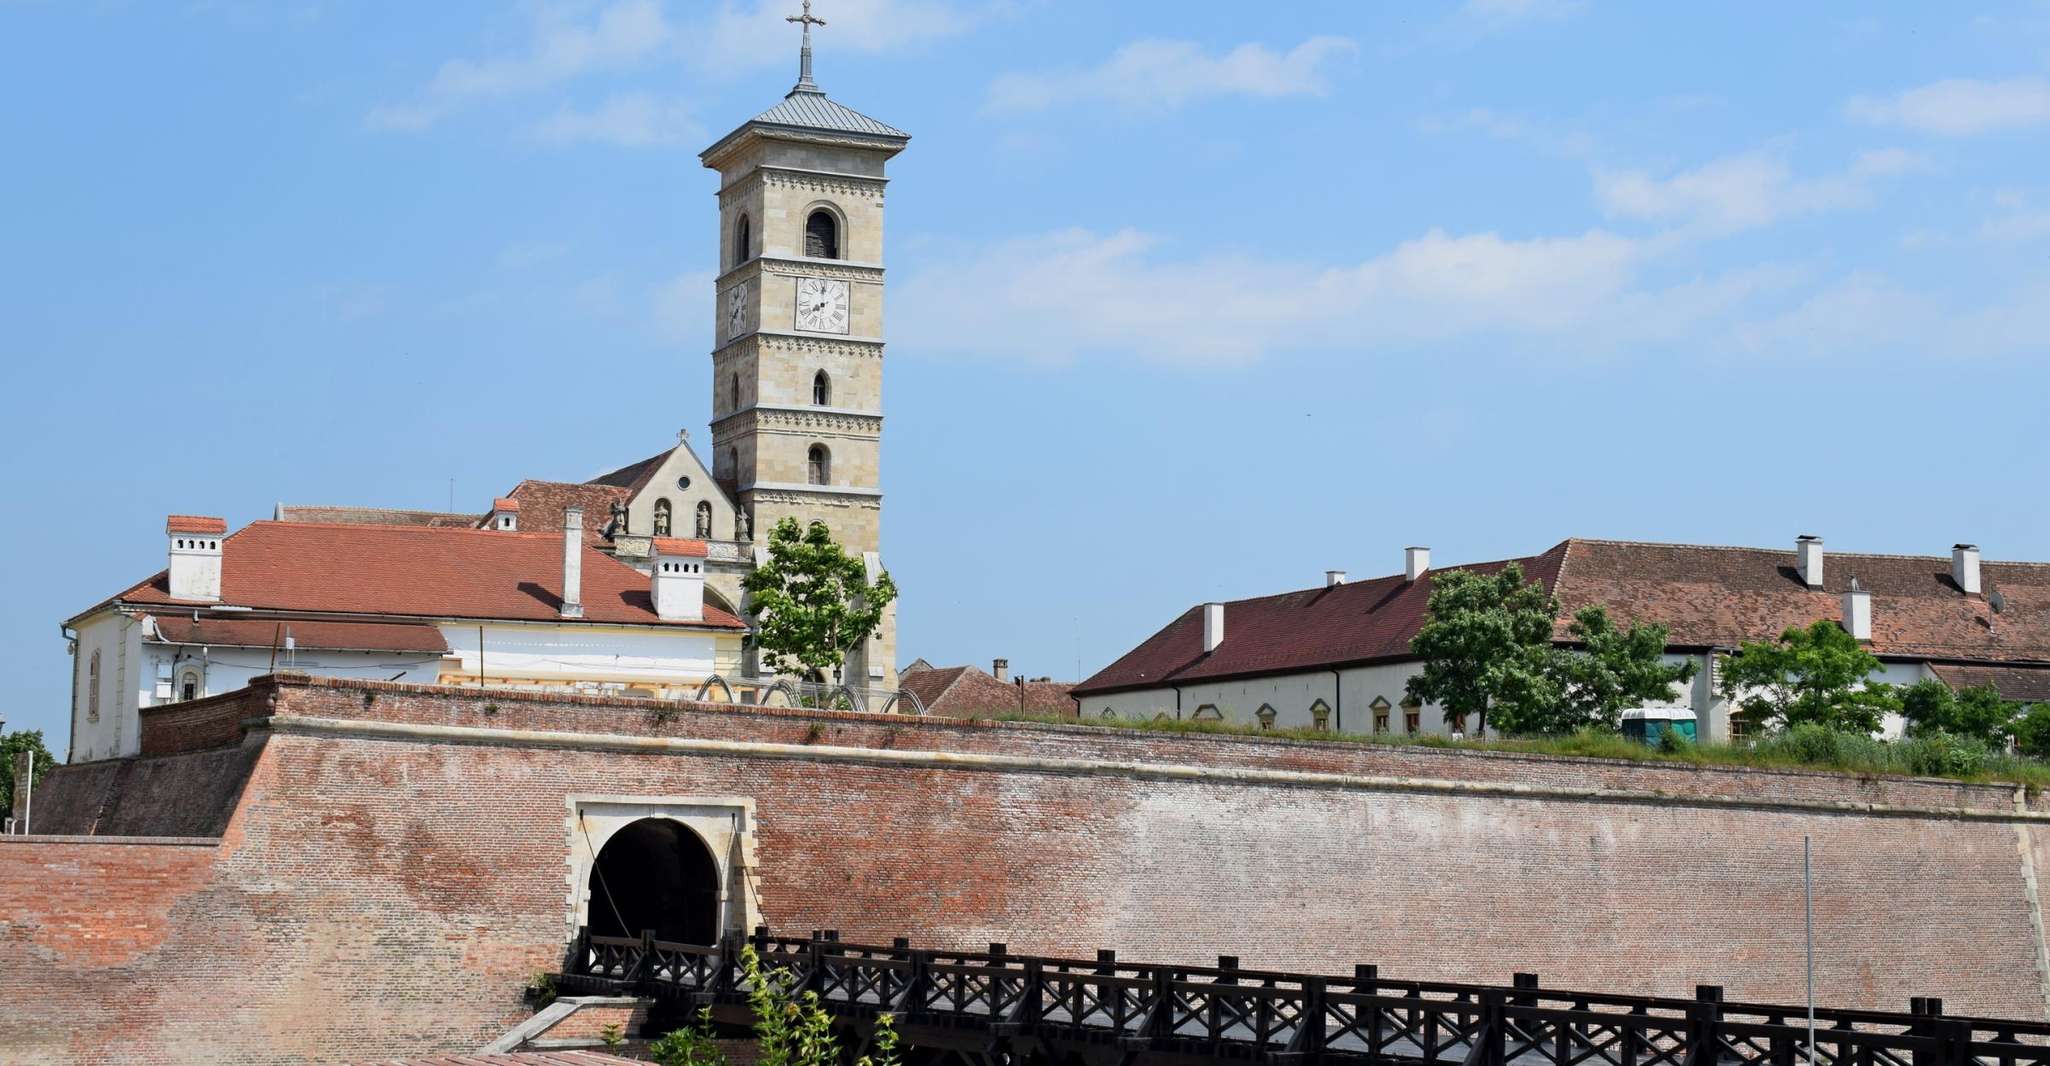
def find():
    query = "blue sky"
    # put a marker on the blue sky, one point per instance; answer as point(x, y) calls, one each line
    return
point(1187, 300)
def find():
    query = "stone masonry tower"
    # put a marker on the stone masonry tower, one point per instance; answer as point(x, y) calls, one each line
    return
point(797, 369)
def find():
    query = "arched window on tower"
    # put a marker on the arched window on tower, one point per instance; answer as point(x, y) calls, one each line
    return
point(818, 465)
point(822, 235)
point(732, 392)
point(743, 241)
point(821, 390)
point(704, 528)
point(662, 523)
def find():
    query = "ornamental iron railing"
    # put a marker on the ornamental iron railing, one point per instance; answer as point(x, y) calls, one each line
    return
point(1106, 1010)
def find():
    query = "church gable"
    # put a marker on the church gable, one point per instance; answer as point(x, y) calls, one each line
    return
point(673, 495)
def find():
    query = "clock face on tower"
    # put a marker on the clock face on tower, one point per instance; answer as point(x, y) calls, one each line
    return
point(736, 310)
point(822, 305)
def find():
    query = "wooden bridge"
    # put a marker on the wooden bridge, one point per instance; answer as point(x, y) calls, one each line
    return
point(993, 1008)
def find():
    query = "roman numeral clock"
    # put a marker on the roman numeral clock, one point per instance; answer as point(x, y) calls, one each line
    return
point(822, 305)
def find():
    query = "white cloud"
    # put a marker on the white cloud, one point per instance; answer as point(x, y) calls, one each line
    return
point(631, 120)
point(624, 33)
point(1073, 292)
point(1960, 107)
point(1743, 191)
point(1164, 74)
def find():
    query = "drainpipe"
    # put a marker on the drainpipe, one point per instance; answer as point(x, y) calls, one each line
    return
point(71, 639)
point(1177, 702)
point(1337, 703)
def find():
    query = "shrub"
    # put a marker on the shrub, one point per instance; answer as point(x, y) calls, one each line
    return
point(691, 1045)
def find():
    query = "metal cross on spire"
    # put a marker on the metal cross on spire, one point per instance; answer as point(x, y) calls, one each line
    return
point(807, 20)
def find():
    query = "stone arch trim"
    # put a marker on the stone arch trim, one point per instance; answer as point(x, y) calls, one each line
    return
point(903, 695)
point(724, 824)
point(788, 690)
point(706, 688)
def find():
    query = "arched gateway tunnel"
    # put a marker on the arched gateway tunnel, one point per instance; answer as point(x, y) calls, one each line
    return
point(657, 875)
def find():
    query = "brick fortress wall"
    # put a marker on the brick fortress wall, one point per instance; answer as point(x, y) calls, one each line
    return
point(396, 867)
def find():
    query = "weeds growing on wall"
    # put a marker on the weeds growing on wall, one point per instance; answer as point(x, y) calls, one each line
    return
point(1812, 747)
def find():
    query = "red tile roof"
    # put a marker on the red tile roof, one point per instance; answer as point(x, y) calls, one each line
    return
point(634, 476)
point(967, 691)
point(681, 546)
point(542, 504)
point(2021, 684)
point(374, 516)
point(192, 523)
point(323, 636)
point(1364, 621)
point(411, 571)
point(1705, 596)
point(505, 503)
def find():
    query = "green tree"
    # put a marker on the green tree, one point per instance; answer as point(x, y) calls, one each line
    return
point(1487, 649)
point(695, 1044)
point(1612, 671)
point(1817, 675)
point(1977, 712)
point(2032, 731)
point(18, 741)
point(812, 601)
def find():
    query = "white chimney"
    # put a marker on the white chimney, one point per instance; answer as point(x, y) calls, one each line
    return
point(1808, 559)
point(1001, 668)
point(1415, 562)
point(1334, 578)
point(505, 514)
point(1964, 568)
point(573, 562)
point(195, 556)
point(1858, 612)
point(1213, 626)
point(679, 579)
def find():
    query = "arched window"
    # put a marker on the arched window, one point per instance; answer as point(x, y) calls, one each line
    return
point(188, 684)
point(704, 520)
point(822, 235)
point(92, 688)
point(733, 392)
point(819, 465)
point(821, 390)
point(661, 518)
point(743, 241)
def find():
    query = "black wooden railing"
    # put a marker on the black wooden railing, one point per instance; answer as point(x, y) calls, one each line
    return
point(1107, 1009)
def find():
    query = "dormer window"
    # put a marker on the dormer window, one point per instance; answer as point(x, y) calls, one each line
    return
point(822, 235)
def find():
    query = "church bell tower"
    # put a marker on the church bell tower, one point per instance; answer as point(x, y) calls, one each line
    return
point(797, 365)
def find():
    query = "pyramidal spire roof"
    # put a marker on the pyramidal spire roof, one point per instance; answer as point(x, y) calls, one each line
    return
point(807, 108)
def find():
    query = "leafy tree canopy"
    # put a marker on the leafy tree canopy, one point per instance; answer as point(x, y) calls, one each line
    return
point(1485, 648)
point(18, 741)
point(1613, 671)
point(1817, 674)
point(2032, 731)
point(812, 601)
point(1977, 712)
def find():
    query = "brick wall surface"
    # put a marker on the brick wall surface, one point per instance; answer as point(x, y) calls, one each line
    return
point(196, 725)
point(384, 896)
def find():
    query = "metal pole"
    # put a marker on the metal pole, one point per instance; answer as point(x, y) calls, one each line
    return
point(1808, 916)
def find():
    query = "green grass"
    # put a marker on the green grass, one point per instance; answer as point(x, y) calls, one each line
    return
point(1798, 749)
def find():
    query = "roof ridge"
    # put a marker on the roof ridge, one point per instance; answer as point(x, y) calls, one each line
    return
point(1783, 551)
point(366, 507)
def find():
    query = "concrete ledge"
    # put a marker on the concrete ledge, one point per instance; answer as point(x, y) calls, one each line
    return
point(972, 761)
point(526, 1033)
point(59, 838)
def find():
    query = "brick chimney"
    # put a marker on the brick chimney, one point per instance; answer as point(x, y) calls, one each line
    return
point(573, 562)
point(1964, 568)
point(1416, 561)
point(505, 514)
point(195, 542)
point(1808, 559)
point(679, 579)
point(1213, 626)
point(1858, 612)
point(1001, 668)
